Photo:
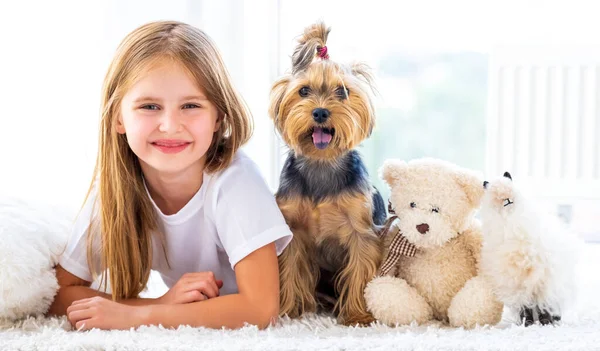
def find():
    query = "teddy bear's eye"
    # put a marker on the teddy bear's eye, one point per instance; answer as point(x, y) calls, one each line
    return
point(435, 209)
point(507, 202)
point(413, 205)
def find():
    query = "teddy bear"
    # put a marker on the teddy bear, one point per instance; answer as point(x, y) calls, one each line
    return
point(431, 260)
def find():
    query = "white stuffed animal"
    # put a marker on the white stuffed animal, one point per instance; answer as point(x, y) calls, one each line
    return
point(32, 237)
point(526, 255)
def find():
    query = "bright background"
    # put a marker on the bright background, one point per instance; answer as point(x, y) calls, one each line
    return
point(454, 80)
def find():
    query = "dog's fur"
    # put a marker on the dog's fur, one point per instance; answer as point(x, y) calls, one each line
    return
point(526, 255)
point(324, 192)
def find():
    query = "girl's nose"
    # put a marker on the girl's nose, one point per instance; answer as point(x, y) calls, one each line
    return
point(169, 122)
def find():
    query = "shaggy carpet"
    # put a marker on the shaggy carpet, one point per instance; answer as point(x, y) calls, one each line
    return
point(579, 330)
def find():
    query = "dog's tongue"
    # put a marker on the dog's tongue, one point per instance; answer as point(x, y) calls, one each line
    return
point(321, 137)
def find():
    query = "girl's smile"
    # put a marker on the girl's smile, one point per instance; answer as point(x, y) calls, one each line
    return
point(170, 146)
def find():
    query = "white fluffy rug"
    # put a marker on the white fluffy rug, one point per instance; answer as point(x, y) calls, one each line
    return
point(580, 330)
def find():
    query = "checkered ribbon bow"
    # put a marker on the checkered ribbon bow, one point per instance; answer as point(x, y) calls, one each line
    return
point(399, 246)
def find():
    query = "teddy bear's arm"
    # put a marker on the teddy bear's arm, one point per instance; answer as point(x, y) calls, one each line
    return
point(472, 238)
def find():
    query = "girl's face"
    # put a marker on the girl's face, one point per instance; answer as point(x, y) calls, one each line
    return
point(168, 121)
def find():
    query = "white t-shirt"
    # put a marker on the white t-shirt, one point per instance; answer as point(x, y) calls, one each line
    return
point(233, 214)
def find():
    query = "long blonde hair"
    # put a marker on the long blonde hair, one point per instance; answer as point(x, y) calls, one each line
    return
point(126, 218)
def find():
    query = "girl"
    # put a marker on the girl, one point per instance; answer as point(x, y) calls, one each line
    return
point(172, 193)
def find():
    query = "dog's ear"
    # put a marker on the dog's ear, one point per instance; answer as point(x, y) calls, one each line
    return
point(362, 72)
point(277, 94)
point(392, 170)
point(363, 75)
point(470, 182)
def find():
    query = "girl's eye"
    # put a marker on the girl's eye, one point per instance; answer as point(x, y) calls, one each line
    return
point(186, 106)
point(150, 107)
point(342, 92)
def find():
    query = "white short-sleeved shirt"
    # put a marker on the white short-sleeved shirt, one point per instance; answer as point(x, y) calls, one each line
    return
point(233, 214)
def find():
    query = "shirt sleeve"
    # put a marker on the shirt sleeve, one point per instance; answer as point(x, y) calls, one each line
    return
point(74, 259)
point(246, 214)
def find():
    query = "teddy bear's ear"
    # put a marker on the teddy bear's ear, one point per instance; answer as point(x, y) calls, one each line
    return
point(392, 170)
point(471, 184)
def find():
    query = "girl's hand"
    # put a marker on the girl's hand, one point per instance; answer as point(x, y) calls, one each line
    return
point(101, 313)
point(192, 287)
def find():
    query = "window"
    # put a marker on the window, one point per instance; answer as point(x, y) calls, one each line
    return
point(434, 64)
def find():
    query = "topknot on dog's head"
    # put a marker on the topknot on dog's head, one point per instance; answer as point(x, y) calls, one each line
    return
point(310, 44)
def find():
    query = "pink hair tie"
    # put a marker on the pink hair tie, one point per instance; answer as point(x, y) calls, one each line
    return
point(322, 52)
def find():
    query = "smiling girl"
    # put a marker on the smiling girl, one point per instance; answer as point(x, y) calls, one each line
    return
point(172, 192)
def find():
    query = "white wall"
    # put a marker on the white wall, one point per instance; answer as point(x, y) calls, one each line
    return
point(54, 55)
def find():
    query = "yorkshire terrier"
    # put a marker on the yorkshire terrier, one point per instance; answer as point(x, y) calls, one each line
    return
point(323, 110)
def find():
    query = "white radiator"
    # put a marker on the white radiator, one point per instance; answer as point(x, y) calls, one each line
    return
point(543, 120)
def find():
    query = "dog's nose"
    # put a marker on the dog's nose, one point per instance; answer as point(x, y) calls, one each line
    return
point(320, 115)
point(423, 228)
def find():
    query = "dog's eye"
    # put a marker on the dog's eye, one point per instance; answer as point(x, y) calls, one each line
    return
point(435, 209)
point(507, 202)
point(342, 93)
point(413, 205)
point(304, 91)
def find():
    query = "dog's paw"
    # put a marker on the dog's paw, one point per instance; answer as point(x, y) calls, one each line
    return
point(362, 320)
point(293, 308)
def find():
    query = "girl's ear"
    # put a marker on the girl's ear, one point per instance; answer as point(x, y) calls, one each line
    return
point(119, 126)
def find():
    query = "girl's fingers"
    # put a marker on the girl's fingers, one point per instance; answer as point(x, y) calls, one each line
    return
point(198, 276)
point(76, 316)
point(86, 304)
point(206, 287)
point(194, 296)
point(77, 302)
point(85, 324)
point(77, 307)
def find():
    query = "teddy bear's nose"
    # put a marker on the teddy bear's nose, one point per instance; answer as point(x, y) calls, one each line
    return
point(423, 228)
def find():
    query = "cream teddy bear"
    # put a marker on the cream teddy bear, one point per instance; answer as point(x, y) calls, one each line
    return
point(430, 269)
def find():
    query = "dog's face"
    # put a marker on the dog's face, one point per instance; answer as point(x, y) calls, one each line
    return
point(500, 199)
point(324, 110)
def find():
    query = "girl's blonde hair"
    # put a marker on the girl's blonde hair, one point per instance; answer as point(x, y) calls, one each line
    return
point(126, 217)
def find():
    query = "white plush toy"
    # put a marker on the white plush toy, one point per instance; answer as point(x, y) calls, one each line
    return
point(527, 256)
point(32, 237)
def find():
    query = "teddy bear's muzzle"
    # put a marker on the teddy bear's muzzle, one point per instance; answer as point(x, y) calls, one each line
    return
point(423, 228)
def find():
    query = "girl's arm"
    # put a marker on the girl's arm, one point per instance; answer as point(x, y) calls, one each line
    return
point(257, 302)
point(73, 288)
point(190, 288)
